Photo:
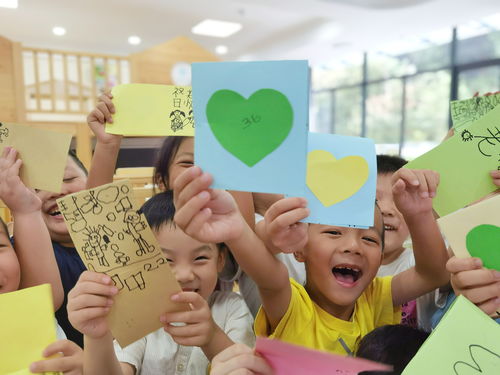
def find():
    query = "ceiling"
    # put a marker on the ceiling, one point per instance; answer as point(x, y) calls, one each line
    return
point(318, 30)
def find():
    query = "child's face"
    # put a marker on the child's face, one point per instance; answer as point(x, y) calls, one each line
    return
point(341, 262)
point(183, 159)
point(396, 231)
point(196, 265)
point(74, 180)
point(10, 272)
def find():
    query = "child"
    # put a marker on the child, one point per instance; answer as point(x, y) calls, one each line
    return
point(342, 300)
point(27, 268)
point(218, 319)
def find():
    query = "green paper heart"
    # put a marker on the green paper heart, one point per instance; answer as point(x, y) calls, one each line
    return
point(252, 128)
point(483, 242)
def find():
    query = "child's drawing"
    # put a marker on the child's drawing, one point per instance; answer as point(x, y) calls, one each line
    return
point(4, 133)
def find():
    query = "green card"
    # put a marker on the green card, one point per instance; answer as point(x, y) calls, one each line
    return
point(464, 162)
point(465, 342)
point(465, 112)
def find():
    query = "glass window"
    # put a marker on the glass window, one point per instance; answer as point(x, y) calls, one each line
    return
point(347, 111)
point(320, 114)
point(481, 80)
point(347, 71)
point(479, 40)
point(427, 112)
point(383, 112)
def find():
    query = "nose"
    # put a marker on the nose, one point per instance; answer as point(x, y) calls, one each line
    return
point(387, 207)
point(183, 273)
point(352, 243)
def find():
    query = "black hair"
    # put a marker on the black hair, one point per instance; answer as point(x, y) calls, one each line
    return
point(164, 158)
point(159, 210)
point(382, 234)
point(78, 162)
point(4, 227)
point(394, 345)
point(389, 163)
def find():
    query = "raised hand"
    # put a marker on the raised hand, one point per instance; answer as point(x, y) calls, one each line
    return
point(208, 215)
point(70, 363)
point(282, 227)
point(413, 190)
point(19, 198)
point(100, 115)
point(89, 303)
point(480, 285)
point(239, 359)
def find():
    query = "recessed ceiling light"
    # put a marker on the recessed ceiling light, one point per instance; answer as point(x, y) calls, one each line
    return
point(220, 29)
point(221, 49)
point(58, 30)
point(8, 4)
point(134, 40)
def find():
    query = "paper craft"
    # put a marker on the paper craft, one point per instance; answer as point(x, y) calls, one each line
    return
point(464, 162)
point(112, 238)
point(287, 359)
point(27, 327)
point(475, 231)
point(341, 180)
point(251, 124)
point(152, 110)
point(465, 112)
point(44, 154)
point(465, 342)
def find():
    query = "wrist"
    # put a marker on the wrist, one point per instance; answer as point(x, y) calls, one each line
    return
point(112, 144)
point(418, 216)
point(28, 213)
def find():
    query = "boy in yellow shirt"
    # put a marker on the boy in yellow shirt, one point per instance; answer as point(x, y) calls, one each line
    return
point(342, 299)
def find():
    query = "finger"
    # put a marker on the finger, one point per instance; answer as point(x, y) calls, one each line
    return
point(189, 341)
point(490, 307)
point(183, 179)
point(475, 278)
point(192, 298)
point(66, 347)
point(90, 300)
point(231, 352)
point(60, 364)
point(189, 330)
point(13, 170)
point(11, 156)
point(407, 175)
point(196, 186)
point(90, 313)
point(193, 214)
point(249, 363)
point(106, 98)
point(103, 108)
point(286, 220)
point(282, 206)
point(432, 182)
point(455, 264)
point(423, 187)
point(6, 151)
point(482, 294)
point(95, 277)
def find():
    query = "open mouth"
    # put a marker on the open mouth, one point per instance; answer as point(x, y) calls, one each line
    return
point(54, 211)
point(389, 228)
point(346, 274)
point(190, 290)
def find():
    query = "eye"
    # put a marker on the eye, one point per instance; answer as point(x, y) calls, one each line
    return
point(334, 232)
point(371, 239)
point(201, 258)
point(186, 163)
point(169, 260)
point(69, 179)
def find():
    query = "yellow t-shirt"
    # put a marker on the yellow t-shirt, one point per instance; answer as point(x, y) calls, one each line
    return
point(307, 324)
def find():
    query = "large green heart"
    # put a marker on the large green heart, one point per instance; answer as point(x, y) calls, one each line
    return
point(483, 242)
point(252, 128)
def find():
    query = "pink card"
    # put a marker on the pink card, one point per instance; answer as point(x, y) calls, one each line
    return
point(287, 359)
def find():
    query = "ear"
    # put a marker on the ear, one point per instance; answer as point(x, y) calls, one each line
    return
point(299, 256)
point(221, 258)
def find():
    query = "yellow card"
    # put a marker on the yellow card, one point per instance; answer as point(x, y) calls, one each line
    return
point(475, 231)
point(152, 110)
point(27, 327)
point(112, 238)
point(44, 154)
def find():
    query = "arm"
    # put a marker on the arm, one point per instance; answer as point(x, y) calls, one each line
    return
point(212, 216)
point(32, 240)
point(107, 146)
point(89, 303)
point(413, 191)
point(480, 285)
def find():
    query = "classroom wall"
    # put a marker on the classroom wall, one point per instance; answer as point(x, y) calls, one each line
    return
point(8, 74)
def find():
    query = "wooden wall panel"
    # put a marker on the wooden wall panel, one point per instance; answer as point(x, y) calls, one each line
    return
point(8, 110)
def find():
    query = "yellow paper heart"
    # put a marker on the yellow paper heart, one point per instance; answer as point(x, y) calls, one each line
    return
point(332, 180)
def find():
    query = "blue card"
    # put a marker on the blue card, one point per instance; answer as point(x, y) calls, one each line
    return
point(341, 180)
point(252, 123)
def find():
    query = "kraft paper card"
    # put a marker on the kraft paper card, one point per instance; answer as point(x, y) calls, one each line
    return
point(152, 110)
point(44, 154)
point(465, 112)
point(112, 238)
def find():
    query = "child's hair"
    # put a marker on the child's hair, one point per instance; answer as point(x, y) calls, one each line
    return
point(382, 235)
point(78, 162)
point(389, 163)
point(164, 158)
point(4, 227)
point(159, 210)
point(394, 345)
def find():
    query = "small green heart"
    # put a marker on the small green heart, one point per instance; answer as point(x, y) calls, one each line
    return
point(252, 128)
point(483, 242)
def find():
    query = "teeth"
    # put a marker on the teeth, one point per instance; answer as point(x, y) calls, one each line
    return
point(388, 227)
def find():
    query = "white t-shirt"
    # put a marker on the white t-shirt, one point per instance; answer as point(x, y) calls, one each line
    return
point(157, 353)
point(59, 332)
point(402, 263)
